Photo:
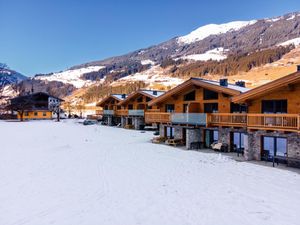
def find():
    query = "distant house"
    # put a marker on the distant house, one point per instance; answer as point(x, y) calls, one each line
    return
point(38, 105)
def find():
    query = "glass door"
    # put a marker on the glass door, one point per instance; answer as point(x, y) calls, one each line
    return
point(273, 146)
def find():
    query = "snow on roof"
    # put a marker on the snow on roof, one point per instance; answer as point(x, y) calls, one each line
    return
point(230, 86)
point(153, 93)
point(213, 29)
point(120, 96)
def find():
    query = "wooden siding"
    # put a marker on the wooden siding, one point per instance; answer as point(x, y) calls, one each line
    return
point(36, 115)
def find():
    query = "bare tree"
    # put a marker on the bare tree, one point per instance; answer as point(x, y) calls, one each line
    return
point(80, 107)
point(20, 105)
point(54, 106)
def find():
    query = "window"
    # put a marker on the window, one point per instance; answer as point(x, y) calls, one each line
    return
point(130, 106)
point(35, 113)
point(170, 132)
point(237, 108)
point(210, 95)
point(148, 99)
point(118, 107)
point(44, 114)
point(274, 106)
point(140, 99)
point(238, 140)
point(26, 113)
point(275, 146)
point(169, 108)
point(190, 96)
point(185, 108)
point(210, 107)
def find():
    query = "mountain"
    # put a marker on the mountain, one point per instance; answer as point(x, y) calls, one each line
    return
point(8, 76)
point(212, 50)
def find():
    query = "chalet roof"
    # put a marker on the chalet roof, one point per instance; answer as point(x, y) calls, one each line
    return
point(230, 89)
point(268, 87)
point(117, 97)
point(36, 94)
point(149, 93)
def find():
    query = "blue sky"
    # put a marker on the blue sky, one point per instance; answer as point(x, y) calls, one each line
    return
point(40, 36)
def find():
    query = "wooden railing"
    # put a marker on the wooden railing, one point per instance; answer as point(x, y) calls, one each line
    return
point(122, 112)
point(230, 119)
point(99, 112)
point(274, 121)
point(288, 122)
point(157, 117)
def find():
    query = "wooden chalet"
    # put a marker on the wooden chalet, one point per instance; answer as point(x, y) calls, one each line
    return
point(134, 107)
point(34, 106)
point(110, 106)
point(185, 111)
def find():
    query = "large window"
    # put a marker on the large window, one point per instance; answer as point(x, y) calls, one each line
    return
point(237, 108)
point(209, 95)
point(190, 96)
point(140, 99)
point(274, 106)
point(130, 106)
point(238, 140)
point(170, 132)
point(170, 108)
point(275, 146)
point(210, 107)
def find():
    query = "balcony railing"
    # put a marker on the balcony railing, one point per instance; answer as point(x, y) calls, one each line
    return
point(232, 119)
point(288, 122)
point(136, 112)
point(108, 112)
point(157, 117)
point(189, 118)
point(122, 112)
point(274, 121)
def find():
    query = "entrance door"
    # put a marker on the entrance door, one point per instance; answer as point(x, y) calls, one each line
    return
point(211, 136)
point(238, 140)
point(273, 146)
point(170, 132)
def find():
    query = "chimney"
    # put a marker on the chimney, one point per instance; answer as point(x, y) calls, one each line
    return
point(124, 96)
point(154, 92)
point(298, 68)
point(224, 82)
point(240, 83)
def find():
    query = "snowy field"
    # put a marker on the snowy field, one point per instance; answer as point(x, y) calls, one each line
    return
point(69, 174)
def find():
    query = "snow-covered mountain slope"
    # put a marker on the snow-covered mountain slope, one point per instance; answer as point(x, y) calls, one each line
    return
point(214, 54)
point(213, 29)
point(8, 76)
point(72, 76)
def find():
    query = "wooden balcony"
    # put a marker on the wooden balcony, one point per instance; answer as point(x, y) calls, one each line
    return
point(122, 112)
point(287, 122)
point(284, 122)
point(157, 117)
point(228, 119)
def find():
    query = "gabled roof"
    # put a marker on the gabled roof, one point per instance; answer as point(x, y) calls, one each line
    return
point(36, 94)
point(230, 89)
point(149, 93)
point(268, 87)
point(117, 97)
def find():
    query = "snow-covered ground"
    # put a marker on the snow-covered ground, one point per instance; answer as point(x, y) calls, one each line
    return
point(69, 174)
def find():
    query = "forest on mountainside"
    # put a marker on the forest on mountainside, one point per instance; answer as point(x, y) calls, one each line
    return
point(100, 91)
point(231, 65)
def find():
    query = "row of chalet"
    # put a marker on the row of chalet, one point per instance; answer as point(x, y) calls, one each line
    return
point(263, 123)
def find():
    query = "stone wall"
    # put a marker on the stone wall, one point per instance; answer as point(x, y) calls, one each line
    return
point(252, 143)
point(162, 130)
point(192, 135)
point(178, 132)
point(138, 122)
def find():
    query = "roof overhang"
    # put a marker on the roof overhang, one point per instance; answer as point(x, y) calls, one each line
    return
point(267, 88)
point(190, 84)
point(134, 95)
point(104, 100)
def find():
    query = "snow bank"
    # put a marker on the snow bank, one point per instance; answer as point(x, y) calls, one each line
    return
point(213, 29)
point(69, 174)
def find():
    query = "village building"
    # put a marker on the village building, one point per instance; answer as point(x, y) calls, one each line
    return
point(185, 112)
point(133, 108)
point(35, 106)
point(110, 107)
point(273, 120)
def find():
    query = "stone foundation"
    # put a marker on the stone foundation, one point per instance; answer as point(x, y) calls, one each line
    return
point(138, 122)
point(162, 130)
